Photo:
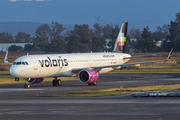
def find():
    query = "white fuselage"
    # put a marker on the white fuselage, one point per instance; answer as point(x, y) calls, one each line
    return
point(57, 65)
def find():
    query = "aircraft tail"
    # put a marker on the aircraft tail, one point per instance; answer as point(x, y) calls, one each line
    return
point(120, 44)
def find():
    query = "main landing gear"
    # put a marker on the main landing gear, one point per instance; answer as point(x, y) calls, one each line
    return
point(27, 86)
point(94, 84)
point(56, 82)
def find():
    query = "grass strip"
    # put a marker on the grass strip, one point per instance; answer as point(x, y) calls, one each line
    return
point(114, 91)
point(7, 80)
point(170, 70)
point(4, 72)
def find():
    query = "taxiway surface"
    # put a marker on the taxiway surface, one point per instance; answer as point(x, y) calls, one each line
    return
point(13, 104)
point(105, 81)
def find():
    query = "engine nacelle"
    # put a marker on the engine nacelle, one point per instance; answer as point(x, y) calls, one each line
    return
point(88, 76)
point(35, 80)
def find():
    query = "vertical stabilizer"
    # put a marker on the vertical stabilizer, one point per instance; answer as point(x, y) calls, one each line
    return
point(120, 44)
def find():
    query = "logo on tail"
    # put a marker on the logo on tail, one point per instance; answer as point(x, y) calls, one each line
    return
point(120, 44)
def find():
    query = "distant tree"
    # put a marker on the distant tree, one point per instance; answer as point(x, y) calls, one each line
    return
point(43, 33)
point(36, 49)
point(135, 34)
point(111, 45)
point(115, 32)
point(6, 38)
point(72, 42)
point(41, 45)
point(57, 45)
point(146, 33)
point(85, 34)
point(132, 33)
point(142, 45)
point(107, 30)
point(22, 37)
point(98, 44)
point(28, 47)
point(164, 29)
point(113, 36)
point(161, 33)
point(83, 47)
point(146, 45)
point(177, 39)
point(138, 34)
point(171, 38)
point(14, 48)
point(98, 30)
point(56, 30)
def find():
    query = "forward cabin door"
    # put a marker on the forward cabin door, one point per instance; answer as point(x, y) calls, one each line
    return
point(35, 63)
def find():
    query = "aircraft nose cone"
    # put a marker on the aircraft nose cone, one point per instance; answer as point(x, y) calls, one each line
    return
point(14, 71)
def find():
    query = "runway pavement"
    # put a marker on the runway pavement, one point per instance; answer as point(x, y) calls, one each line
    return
point(13, 104)
point(105, 81)
point(103, 108)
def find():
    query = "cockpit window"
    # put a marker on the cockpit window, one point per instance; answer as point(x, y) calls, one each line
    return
point(20, 63)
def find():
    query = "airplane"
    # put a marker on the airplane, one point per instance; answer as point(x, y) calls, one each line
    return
point(86, 66)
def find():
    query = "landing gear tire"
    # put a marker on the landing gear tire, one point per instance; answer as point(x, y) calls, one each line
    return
point(95, 83)
point(54, 82)
point(89, 84)
point(26, 86)
point(58, 82)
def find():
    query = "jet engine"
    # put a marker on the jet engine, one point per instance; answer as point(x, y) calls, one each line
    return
point(35, 80)
point(88, 76)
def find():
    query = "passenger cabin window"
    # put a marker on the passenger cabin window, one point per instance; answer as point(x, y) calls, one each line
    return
point(20, 63)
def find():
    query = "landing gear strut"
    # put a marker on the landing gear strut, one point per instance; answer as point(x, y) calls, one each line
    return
point(56, 82)
point(94, 84)
point(27, 86)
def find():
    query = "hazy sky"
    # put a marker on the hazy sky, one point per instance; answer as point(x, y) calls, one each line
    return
point(136, 12)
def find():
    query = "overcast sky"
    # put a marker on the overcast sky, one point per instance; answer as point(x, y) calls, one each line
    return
point(136, 12)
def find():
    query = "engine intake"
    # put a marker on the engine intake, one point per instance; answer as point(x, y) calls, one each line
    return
point(35, 80)
point(88, 76)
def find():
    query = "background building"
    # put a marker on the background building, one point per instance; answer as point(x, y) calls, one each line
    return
point(4, 46)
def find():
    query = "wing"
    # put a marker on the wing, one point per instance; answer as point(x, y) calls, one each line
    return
point(140, 56)
point(98, 68)
point(5, 59)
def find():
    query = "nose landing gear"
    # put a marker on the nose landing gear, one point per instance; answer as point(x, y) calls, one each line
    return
point(27, 86)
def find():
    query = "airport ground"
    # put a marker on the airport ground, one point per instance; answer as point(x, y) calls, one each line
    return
point(14, 103)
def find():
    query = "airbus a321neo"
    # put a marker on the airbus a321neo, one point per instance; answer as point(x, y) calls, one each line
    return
point(87, 66)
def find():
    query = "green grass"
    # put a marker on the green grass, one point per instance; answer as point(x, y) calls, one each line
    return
point(114, 91)
point(7, 80)
point(4, 72)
